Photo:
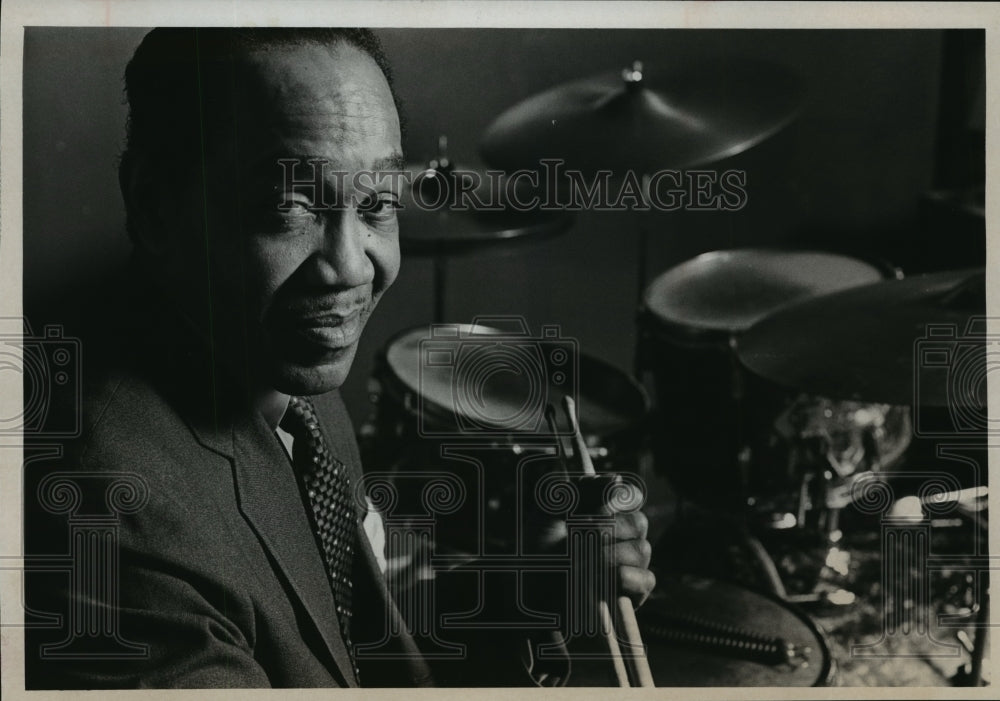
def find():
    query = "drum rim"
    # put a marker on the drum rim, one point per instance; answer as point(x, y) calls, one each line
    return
point(392, 383)
point(829, 668)
point(395, 385)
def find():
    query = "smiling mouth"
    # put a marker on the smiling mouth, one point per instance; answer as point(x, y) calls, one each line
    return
point(332, 330)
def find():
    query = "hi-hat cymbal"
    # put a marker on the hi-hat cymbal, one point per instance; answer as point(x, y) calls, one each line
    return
point(458, 223)
point(920, 341)
point(646, 121)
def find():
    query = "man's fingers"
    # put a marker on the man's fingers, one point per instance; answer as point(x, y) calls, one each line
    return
point(637, 583)
point(630, 526)
point(632, 553)
point(625, 497)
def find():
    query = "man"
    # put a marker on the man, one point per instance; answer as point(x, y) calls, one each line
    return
point(211, 384)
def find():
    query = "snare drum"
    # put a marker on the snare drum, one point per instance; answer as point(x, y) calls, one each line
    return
point(471, 390)
point(691, 319)
point(705, 632)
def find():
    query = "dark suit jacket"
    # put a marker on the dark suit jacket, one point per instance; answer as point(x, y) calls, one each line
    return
point(218, 574)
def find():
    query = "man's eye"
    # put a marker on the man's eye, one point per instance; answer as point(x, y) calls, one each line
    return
point(294, 207)
point(379, 208)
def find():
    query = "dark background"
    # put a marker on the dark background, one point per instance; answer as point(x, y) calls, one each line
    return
point(888, 115)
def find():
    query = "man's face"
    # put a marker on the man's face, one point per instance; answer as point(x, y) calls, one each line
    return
point(300, 255)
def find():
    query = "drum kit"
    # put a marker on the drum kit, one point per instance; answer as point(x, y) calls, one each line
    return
point(766, 380)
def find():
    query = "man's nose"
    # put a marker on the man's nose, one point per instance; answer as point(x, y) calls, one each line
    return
point(343, 259)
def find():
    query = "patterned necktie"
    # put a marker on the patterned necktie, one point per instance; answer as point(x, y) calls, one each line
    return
point(328, 488)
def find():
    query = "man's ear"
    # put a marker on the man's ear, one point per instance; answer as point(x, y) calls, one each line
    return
point(144, 208)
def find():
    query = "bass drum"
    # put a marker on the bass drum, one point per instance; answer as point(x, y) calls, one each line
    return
point(705, 632)
point(469, 400)
point(709, 409)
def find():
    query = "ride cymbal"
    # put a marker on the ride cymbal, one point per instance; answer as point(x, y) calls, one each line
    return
point(919, 341)
point(646, 121)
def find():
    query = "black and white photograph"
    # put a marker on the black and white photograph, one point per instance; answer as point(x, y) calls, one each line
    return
point(492, 345)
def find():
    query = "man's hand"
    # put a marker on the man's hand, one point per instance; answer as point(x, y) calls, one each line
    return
point(630, 553)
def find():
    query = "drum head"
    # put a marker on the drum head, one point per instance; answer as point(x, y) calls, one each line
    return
point(486, 380)
point(690, 598)
point(726, 292)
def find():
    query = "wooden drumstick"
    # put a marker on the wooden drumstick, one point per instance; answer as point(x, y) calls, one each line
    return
point(603, 611)
point(579, 445)
point(641, 672)
point(611, 640)
point(638, 664)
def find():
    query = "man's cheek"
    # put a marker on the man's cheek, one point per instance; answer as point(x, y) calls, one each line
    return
point(387, 265)
point(268, 267)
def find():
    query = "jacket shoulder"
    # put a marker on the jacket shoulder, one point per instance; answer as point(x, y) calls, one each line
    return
point(127, 424)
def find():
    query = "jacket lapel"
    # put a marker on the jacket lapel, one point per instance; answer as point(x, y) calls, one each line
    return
point(270, 499)
point(266, 486)
point(405, 666)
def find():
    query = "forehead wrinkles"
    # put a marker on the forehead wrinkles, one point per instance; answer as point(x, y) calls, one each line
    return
point(335, 115)
point(316, 89)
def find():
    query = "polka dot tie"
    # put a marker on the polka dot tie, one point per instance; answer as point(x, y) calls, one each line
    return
point(328, 490)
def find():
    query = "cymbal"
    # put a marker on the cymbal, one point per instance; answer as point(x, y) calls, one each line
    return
point(644, 120)
point(918, 341)
point(458, 224)
point(721, 293)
